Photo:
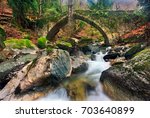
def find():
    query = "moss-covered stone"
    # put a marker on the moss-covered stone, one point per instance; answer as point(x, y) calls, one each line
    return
point(64, 45)
point(141, 61)
point(19, 43)
point(133, 50)
point(131, 79)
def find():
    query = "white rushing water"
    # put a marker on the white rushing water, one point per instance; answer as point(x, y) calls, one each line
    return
point(93, 73)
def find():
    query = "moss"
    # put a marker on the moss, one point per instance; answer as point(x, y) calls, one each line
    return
point(64, 43)
point(133, 50)
point(49, 50)
point(42, 41)
point(19, 43)
point(141, 60)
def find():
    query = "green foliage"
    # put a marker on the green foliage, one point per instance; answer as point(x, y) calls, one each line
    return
point(101, 5)
point(52, 10)
point(42, 41)
point(49, 49)
point(19, 43)
point(145, 4)
point(82, 24)
point(21, 8)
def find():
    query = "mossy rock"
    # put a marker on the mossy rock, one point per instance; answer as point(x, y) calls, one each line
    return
point(19, 43)
point(133, 50)
point(141, 61)
point(131, 78)
point(64, 45)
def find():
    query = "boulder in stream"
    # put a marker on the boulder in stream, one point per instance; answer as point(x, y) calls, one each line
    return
point(79, 64)
point(10, 66)
point(133, 50)
point(131, 80)
point(48, 69)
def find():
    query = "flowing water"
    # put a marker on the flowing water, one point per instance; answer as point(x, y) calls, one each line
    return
point(93, 73)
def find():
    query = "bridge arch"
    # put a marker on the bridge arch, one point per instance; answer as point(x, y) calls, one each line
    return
point(62, 22)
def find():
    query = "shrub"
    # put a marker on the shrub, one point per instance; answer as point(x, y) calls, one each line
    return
point(42, 42)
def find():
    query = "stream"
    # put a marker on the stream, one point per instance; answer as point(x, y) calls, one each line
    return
point(93, 73)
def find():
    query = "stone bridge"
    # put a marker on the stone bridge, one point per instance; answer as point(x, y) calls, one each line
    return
point(62, 22)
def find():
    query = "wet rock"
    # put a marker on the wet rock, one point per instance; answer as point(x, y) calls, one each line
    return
point(50, 69)
point(117, 61)
point(133, 50)
point(120, 49)
point(79, 65)
point(31, 95)
point(8, 66)
point(90, 49)
point(64, 45)
point(77, 88)
point(93, 57)
point(131, 80)
point(111, 56)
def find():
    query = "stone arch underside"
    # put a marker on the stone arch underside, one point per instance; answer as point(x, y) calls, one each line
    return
point(61, 23)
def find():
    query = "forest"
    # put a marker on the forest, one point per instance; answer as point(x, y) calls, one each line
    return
point(74, 50)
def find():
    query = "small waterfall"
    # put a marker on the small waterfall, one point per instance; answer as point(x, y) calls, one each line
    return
point(98, 66)
point(93, 73)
